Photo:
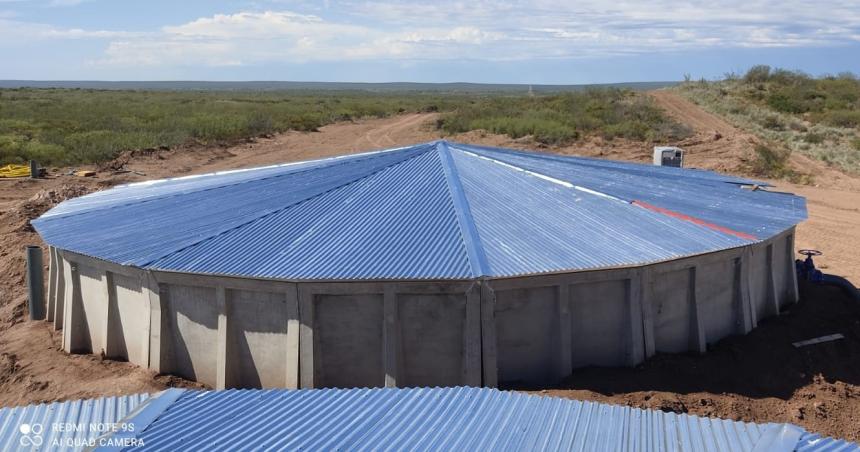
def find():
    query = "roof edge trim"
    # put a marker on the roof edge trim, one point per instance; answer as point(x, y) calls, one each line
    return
point(468, 230)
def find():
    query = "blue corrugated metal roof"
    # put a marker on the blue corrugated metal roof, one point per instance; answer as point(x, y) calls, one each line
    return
point(63, 425)
point(813, 442)
point(387, 418)
point(420, 419)
point(432, 211)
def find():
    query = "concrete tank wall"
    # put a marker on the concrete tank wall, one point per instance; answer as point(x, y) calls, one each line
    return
point(127, 333)
point(234, 332)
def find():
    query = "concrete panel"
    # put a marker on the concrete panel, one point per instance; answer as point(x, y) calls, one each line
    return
point(94, 300)
point(257, 339)
point(600, 326)
point(783, 262)
point(59, 291)
point(348, 345)
point(128, 332)
point(52, 284)
point(758, 274)
point(76, 335)
point(432, 339)
point(715, 294)
point(193, 333)
point(526, 331)
point(670, 311)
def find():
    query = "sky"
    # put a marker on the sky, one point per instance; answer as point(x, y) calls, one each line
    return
point(536, 41)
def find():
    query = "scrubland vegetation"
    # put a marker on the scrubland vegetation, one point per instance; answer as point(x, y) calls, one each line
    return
point(70, 126)
point(564, 118)
point(791, 112)
point(64, 127)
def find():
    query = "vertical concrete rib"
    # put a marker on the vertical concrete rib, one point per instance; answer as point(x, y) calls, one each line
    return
point(472, 338)
point(794, 294)
point(471, 239)
point(222, 353)
point(292, 352)
point(565, 353)
point(60, 291)
point(153, 348)
point(488, 336)
point(743, 307)
point(52, 283)
point(74, 311)
point(307, 363)
point(635, 304)
point(108, 323)
point(647, 295)
point(698, 341)
point(390, 336)
point(772, 293)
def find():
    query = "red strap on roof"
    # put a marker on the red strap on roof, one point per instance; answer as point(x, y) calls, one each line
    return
point(695, 220)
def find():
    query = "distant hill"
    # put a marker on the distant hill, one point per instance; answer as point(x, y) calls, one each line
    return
point(320, 86)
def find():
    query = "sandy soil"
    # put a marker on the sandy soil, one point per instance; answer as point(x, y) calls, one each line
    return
point(758, 377)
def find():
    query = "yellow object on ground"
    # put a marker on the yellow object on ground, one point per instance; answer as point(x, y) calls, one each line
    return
point(15, 171)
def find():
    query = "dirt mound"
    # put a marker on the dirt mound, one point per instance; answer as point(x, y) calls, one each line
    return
point(43, 201)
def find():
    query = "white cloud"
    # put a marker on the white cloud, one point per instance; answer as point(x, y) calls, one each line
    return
point(66, 2)
point(478, 30)
point(13, 31)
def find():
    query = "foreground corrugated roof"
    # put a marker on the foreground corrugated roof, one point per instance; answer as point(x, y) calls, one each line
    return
point(437, 210)
point(63, 425)
point(430, 419)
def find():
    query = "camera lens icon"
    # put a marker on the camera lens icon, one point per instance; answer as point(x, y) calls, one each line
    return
point(31, 434)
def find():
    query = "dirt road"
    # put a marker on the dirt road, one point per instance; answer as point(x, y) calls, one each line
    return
point(833, 200)
point(757, 377)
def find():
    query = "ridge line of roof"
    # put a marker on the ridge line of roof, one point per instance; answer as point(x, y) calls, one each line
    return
point(545, 177)
point(468, 231)
point(623, 165)
point(331, 161)
point(280, 209)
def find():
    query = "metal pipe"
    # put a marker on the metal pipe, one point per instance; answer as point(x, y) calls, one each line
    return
point(34, 169)
point(35, 283)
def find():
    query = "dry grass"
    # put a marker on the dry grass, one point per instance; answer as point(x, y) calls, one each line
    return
point(814, 125)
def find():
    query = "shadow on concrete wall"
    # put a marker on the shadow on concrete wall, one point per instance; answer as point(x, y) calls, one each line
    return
point(762, 364)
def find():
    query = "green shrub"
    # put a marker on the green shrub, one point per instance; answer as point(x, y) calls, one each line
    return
point(841, 118)
point(757, 74)
point(814, 138)
point(786, 102)
point(772, 122)
point(771, 162)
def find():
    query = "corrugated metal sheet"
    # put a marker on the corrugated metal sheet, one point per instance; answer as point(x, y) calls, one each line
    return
point(390, 419)
point(441, 419)
point(432, 211)
point(528, 224)
point(701, 194)
point(62, 425)
point(813, 442)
